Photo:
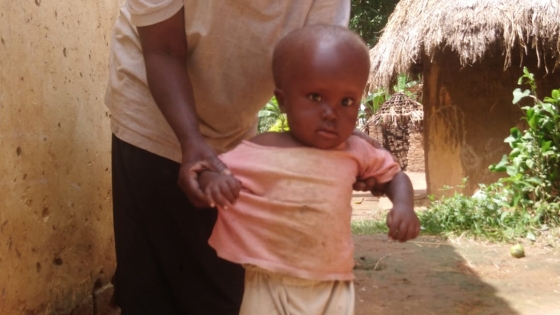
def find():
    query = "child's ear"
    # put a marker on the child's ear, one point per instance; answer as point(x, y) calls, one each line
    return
point(279, 94)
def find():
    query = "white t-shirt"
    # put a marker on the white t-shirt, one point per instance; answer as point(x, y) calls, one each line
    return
point(229, 63)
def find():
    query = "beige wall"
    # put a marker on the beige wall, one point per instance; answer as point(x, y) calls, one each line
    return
point(56, 237)
point(468, 112)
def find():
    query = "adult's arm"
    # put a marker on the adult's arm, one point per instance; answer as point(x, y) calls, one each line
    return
point(164, 46)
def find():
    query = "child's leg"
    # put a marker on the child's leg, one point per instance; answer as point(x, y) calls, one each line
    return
point(260, 296)
point(274, 294)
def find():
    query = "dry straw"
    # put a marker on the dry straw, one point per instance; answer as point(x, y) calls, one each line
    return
point(399, 110)
point(467, 27)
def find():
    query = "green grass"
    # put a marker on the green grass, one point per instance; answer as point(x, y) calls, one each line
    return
point(489, 216)
point(369, 227)
point(444, 220)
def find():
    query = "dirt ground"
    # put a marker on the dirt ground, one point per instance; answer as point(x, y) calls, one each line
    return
point(433, 276)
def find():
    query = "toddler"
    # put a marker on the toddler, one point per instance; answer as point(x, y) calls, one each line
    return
point(285, 211)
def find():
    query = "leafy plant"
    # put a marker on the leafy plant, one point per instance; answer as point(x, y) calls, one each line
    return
point(526, 201)
point(533, 165)
point(271, 118)
point(487, 214)
point(371, 104)
point(368, 17)
point(405, 83)
point(373, 101)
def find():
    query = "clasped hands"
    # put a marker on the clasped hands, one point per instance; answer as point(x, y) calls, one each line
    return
point(207, 182)
point(212, 185)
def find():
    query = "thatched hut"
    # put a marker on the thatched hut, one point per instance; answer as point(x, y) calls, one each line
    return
point(398, 126)
point(470, 54)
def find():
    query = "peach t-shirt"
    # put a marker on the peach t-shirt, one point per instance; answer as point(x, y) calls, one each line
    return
point(293, 214)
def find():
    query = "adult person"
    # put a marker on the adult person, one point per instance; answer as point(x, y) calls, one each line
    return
point(187, 79)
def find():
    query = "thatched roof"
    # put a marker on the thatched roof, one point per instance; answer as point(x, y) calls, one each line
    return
point(467, 27)
point(399, 110)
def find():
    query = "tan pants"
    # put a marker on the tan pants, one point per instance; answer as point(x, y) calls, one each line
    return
point(268, 293)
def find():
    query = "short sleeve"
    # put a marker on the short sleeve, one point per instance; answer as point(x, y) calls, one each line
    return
point(373, 162)
point(148, 12)
point(333, 12)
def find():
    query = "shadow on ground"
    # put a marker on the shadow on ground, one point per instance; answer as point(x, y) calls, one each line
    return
point(431, 276)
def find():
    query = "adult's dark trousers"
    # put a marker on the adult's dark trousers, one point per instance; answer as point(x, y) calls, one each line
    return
point(164, 263)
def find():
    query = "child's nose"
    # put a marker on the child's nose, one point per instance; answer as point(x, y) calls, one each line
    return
point(329, 112)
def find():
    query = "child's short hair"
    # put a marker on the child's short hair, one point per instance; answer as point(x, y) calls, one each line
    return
point(290, 47)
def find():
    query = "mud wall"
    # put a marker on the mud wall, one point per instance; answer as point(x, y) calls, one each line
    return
point(468, 113)
point(56, 239)
point(416, 158)
point(415, 155)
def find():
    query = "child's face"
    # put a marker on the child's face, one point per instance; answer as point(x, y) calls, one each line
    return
point(322, 96)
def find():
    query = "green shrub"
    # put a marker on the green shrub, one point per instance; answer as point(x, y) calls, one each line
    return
point(271, 118)
point(526, 201)
point(533, 164)
point(487, 214)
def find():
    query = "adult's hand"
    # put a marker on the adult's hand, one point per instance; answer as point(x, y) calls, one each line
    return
point(197, 158)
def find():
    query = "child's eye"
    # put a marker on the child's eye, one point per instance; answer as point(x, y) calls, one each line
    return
point(314, 97)
point(347, 102)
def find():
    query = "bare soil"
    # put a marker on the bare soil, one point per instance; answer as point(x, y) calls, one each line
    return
point(431, 275)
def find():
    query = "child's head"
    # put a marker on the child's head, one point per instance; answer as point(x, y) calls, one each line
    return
point(320, 73)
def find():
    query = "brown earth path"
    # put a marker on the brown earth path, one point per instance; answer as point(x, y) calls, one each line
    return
point(433, 276)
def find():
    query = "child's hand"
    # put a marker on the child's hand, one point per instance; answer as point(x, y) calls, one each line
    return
point(403, 224)
point(222, 190)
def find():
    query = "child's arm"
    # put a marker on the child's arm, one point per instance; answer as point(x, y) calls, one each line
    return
point(402, 221)
point(220, 189)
